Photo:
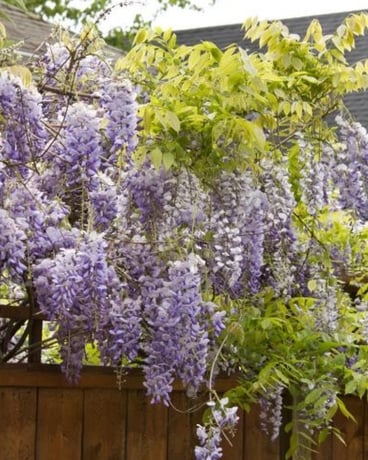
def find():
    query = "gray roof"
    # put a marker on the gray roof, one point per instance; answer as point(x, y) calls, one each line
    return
point(224, 36)
point(31, 30)
point(25, 27)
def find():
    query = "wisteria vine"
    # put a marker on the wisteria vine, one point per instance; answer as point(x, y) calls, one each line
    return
point(153, 265)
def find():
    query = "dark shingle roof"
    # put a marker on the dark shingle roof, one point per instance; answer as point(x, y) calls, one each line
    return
point(25, 27)
point(31, 30)
point(224, 36)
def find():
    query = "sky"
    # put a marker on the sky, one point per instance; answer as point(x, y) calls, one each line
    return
point(229, 12)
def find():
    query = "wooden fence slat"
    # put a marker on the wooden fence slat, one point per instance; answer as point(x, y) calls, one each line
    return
point(179, 428)
point(17, 423)
point(235, 451)
point(365, 427)
point(146, 428)
point(196, 417)
point(50, 376)
point(257, 445)
point(352, 432)
point(59, 424)
point(88, 422)
point(324, 450)
point(104, 424)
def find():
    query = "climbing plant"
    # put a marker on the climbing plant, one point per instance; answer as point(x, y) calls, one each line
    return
point(191, 211)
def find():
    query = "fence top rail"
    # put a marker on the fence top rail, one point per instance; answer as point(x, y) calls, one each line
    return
point(50, 376)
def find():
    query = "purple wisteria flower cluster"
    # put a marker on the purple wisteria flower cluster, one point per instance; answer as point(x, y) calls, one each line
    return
point(23, 135)
point(97, 238)
point(271, 412)
point(350, 168)
point(143, 262)
point(223, 419)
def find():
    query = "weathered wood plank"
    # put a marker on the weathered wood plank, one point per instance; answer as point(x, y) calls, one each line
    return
point(324, 450)
point(59, 424)
point(179, 428)
point(352, 432)
point(146, 428)
point(257, 445)
point(235, 451)
point(104, 427)
point(17, 423)
point(20, 312)
point(50, 376)
point(196, 417)
point(95, 422)
point(365, 428)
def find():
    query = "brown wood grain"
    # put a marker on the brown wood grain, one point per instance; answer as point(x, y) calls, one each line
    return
point(146, 428)
point(365, 428)
point(324, 450)
point(20, 312)
point(87, 423)
point(352, 432)
point(257, 444)
point(196, 418)
point(59, 424)
point(104, 424)
point(50, 376)
point(179, 429)
point(236, 449)
point(17, 423)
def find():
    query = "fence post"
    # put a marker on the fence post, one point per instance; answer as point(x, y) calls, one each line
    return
point(35, 331)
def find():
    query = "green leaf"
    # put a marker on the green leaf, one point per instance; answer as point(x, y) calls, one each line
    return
point(344, 410)
point(173, 121)
point(156, 157)
point(322, 435)
point(313, 396)
point(141, 37)
point(293, 445)
point(168, 160)
point(350, 387)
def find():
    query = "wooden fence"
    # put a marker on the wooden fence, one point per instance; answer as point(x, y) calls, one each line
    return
point(44, 418)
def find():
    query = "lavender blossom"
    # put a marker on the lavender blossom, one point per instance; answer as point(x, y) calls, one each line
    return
point(178, 326)
point(13, 242)
point(23, 135)
point(223, 418)
point(279, 233)
point(351, 170)
point(118, 100)
point(313, 179)
point(271, 412)
point(79, 289)
point(78, 149)
point(237, 225)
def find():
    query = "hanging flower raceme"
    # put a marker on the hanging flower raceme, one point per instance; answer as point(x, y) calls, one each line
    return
point(39, 218)
point(237, 224)
point(23, 136)
point(223, 419)
point(81, 291)
point(178, 324)
point(350, 172)
point(279, 233)
point(119, 101)
point(78, 150)
point(313, 178)
point(12, 248)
